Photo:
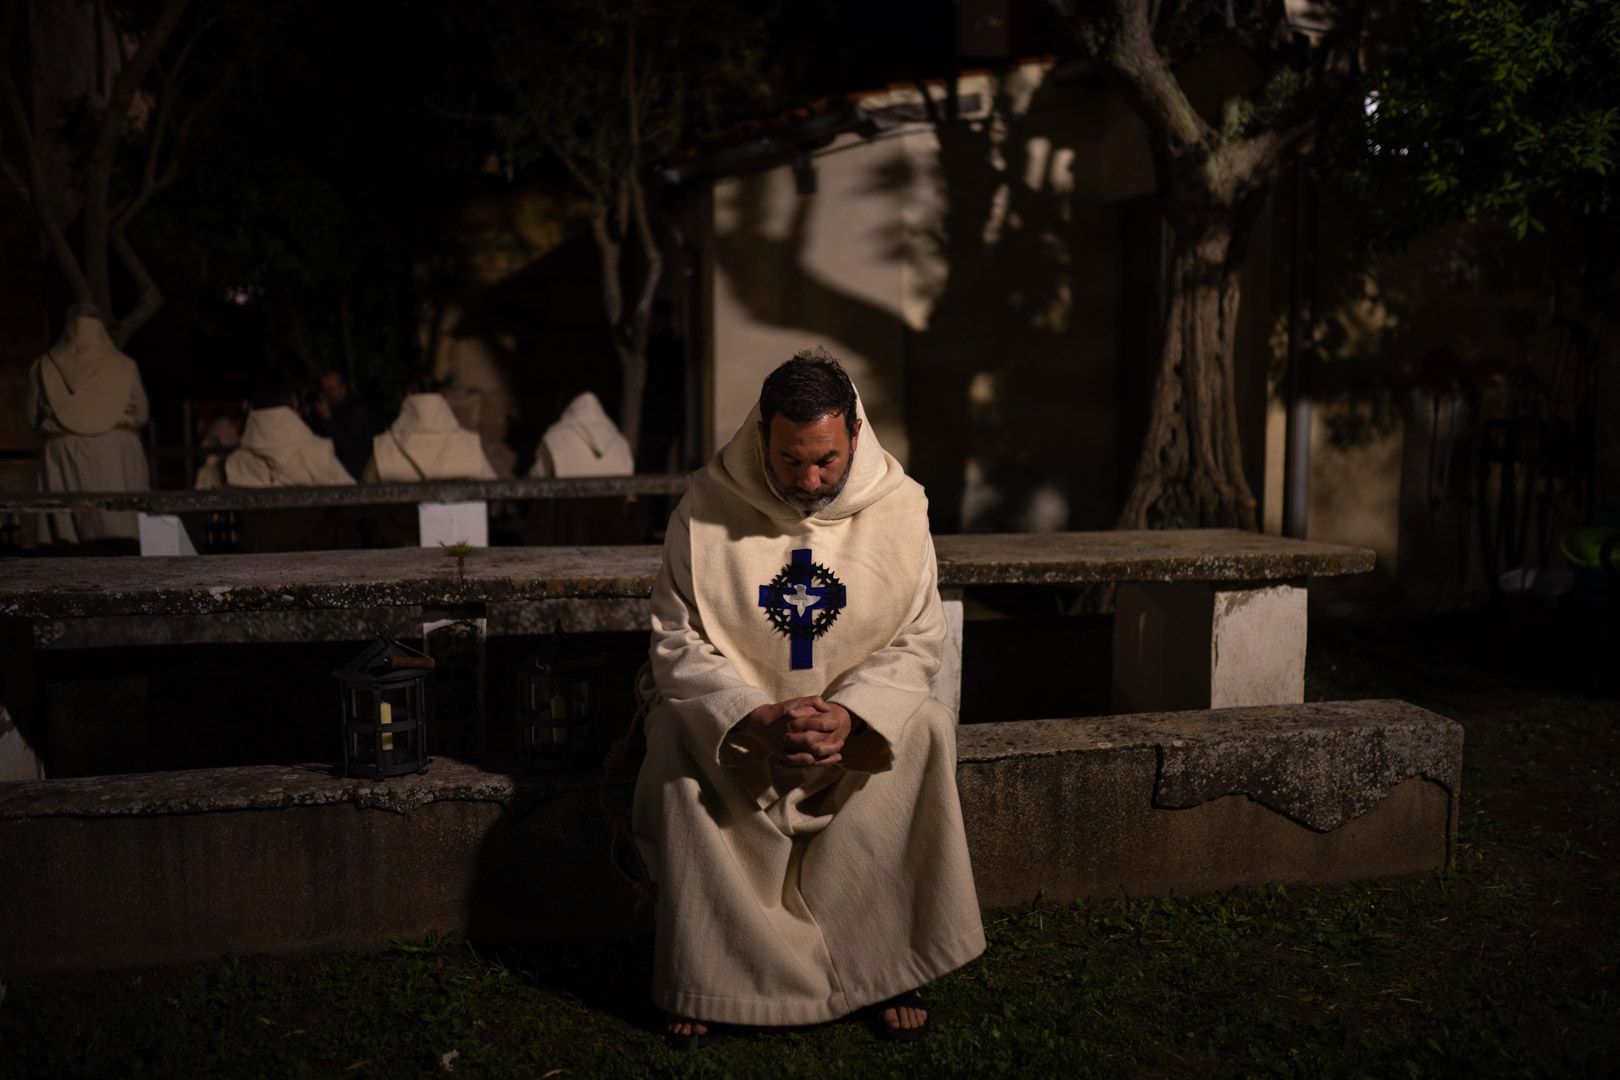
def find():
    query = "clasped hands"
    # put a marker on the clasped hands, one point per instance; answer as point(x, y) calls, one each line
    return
point(802, 730)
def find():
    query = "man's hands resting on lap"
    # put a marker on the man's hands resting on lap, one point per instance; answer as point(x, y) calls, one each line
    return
point(802, 730)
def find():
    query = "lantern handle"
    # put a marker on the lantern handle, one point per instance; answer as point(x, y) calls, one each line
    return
point(423, 663)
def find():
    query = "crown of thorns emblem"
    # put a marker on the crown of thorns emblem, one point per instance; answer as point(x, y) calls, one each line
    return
point(803, 600)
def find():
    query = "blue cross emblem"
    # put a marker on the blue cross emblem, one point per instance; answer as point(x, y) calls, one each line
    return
point(802, 602)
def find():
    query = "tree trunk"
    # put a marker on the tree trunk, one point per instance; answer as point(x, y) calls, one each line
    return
point(1191, 468)
point(633, 369)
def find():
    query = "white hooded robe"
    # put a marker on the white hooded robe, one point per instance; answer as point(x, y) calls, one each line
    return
point(86, 398)
point(583, 442)
point(279, 450)
point(798, 895)
point(426, 442)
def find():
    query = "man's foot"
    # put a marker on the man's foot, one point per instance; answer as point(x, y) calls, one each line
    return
point(684, 1033)
point(903, 1018)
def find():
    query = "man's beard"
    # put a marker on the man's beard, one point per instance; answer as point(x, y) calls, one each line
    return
point(807, 506)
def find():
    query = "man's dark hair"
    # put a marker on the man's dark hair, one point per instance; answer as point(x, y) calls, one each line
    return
point(806, 388)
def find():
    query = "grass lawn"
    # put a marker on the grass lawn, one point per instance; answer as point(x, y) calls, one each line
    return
point(1505, 966)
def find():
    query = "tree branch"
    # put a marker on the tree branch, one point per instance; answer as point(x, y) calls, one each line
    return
point(151, 298)
point(607, 250)
point(654, 265)
point(1118, 36)
point(1334, 69)
point(33, 189)
point(98, 176)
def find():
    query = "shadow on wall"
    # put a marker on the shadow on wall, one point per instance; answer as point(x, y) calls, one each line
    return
point(1009, 347)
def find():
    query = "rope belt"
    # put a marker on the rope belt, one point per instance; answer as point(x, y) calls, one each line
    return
point(53, 436)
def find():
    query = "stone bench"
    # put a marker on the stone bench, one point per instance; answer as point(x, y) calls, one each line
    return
point(123, 871)
point(448, 511)
point(1204, 618)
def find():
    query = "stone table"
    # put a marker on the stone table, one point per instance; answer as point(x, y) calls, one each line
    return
point(1204, 618)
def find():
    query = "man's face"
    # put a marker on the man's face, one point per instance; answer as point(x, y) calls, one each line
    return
point(333, 388)
point(808, 464)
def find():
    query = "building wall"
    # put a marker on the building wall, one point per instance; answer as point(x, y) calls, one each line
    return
point(980, 279)
point(795, 271)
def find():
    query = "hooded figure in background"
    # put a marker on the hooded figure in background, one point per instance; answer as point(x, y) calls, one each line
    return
point(583, 442)
point(279, 450)
point(426, 442)
point(86, 398)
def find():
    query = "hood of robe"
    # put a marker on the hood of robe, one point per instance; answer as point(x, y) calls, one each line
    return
point(427, 442)
point(278, 449)
point(267, 429)
point(425, 413)
point(85, 378)
point(586, 417)
point(585, 442)
point(740, 469)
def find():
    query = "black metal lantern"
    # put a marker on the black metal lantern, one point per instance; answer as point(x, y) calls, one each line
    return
point(384, 710)
point(558, 702)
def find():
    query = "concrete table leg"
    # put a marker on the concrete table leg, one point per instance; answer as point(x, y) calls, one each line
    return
point(18, 708)
point(455, 638)
point(164, 534)
point(947, 686)
point(1202, 646)
point(453, 523)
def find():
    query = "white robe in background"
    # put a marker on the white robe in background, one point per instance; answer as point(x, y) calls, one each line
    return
point(427, 443)
point(583, 442)
point(279, 450)
point(798, 895)
point(86, 398)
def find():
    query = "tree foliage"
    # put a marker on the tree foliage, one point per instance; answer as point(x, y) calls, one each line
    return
point(319, 193)
point(605, 91)
point(1504, 109)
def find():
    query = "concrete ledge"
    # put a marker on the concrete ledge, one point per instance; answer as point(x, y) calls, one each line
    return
point(108, 872)
point(1161, 803)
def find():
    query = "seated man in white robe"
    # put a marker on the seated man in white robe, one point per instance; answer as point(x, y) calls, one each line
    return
point(426, 442)
point(85, 397)
point(279, 450)
point(583, 442)
point(797, 807)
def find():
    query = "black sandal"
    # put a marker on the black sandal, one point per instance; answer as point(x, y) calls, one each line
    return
point(908, 1000)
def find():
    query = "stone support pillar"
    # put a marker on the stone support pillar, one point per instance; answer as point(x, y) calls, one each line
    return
point(164, 534)
point(18, 710)
point(453, 523)
point(1207, 646)
point(455, 638)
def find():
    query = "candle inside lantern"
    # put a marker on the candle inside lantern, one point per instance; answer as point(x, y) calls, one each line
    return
point(385, 715)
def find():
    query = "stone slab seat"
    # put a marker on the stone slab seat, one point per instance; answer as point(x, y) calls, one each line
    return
point(123, 871)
